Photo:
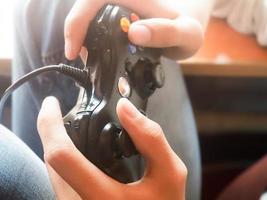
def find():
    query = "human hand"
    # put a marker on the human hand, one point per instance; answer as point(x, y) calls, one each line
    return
point(167, 25)
point(165, 174)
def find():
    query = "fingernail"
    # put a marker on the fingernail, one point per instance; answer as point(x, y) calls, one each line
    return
point(128, 108)
point(140, 34)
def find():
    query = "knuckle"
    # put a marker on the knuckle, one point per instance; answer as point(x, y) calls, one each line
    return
point(196, 34)
point(150, 130)
point(181, 170)
point(153, 131)
point(199, 33)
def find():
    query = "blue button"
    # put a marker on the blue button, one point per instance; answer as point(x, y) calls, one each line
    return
point(132, 49)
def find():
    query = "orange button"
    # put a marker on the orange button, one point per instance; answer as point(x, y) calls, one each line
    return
point(125, 24)
point(134, 17)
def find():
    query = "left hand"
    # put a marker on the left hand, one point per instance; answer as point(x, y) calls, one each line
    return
point(168, 25)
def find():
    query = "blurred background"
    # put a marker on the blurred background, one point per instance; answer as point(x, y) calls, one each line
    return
point(6, 49)
point(6, 29)
point(227, 84)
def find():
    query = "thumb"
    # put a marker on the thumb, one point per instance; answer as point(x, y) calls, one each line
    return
point(183, 35)
point(50, 126)
point(147, 136)
point(61, 154)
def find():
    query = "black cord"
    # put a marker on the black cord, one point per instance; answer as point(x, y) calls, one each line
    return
point(80, 76)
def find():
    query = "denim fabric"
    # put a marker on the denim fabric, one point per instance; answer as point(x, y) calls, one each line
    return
point(39, 41)
point(22, 174)
point(171, 108)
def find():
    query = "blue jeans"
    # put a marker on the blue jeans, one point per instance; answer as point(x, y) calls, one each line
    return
point(22, 174)
point(39, 41)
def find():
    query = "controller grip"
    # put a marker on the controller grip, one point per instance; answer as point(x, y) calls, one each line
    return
point(125, 144)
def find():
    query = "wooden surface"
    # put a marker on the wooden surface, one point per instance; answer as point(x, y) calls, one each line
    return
point(221, 39)
point(214, 122)
point(226, 52)
point(230, 69)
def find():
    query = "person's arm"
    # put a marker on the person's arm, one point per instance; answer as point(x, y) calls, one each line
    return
point(165, 175)
point(177, 24)
point(251, 184)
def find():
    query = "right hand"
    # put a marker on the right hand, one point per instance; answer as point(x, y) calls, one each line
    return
point(166, 26)
point(75, 177)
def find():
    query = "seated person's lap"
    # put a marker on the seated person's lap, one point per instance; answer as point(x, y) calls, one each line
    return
point(39, 41)
point(22, 174)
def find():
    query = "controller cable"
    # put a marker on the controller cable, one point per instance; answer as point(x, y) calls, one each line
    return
point(81, 76)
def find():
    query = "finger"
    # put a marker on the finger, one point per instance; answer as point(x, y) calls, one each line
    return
point(85, 178)
point(51, 128)
point(77, 23)
point(147, 135)
point(183, 35)
point(84, 11)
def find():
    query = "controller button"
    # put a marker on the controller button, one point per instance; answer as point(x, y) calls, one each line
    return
point(132, 48)
point(125, 144)
point(158, 76)
point(128, 65)
point(124, 87)
point(134, 17)
point(107, 143)
point(125, 24)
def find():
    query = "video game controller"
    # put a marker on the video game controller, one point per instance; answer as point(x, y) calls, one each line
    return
point(117, 69)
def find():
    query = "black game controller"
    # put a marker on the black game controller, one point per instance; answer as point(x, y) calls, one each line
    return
point(117, 69)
